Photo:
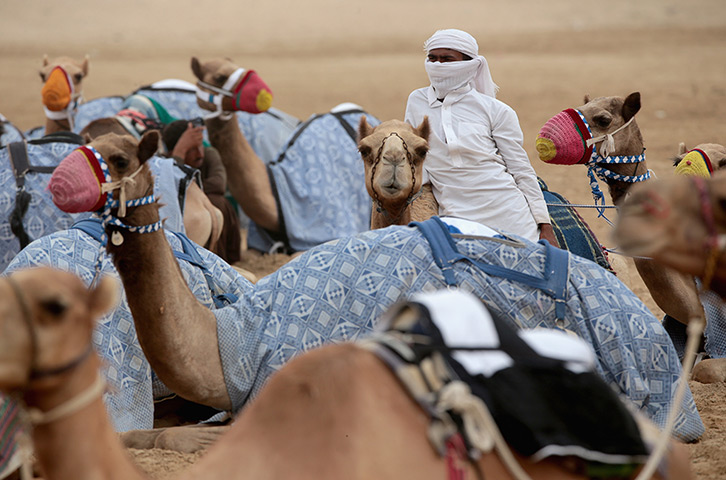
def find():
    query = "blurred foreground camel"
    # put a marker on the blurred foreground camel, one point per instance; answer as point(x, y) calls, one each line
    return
point(339, 399)
point(680, 222)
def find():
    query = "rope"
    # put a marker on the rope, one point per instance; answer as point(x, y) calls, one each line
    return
point(479, 426)
point(694, 330)
point(75, 404)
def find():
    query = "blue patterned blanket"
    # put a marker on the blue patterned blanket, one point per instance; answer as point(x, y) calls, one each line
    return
point(336, 291)
point(8, 132)
point(42, 217)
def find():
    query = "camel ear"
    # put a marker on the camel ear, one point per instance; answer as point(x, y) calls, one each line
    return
point(197, 68)
point(46, 61)
point(586, 99)
point(681, 148)
point(424, 129)
point(104, 297)
point(84, 66)
point(364, 128)
point(148, 145)
point(87, 138)
point(631, 106)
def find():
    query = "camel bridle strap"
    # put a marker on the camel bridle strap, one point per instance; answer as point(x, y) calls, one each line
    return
point(35, 372)
point(595, 168)
point(711, 246)
point(222, 92)
point(75, 100)
point(109, 186)
point(412, 194)
point(69, 407)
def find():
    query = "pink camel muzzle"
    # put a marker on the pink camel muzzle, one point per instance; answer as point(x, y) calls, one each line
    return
point(563, 139)
point(76, 183)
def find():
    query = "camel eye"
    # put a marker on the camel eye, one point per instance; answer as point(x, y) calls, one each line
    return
point(77, 77)
point(42, 76)
point(364, 150)
point(219, 79)
point(422, 151)
point(120, 162)
point(54, 306)
point(602, 121)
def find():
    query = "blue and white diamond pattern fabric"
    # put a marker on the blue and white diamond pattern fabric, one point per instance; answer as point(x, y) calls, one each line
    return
point(43, 217)
point(130, 404)
point(336, 291)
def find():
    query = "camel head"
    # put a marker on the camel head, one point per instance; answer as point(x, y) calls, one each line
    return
point(77, 183)
point(677, 221)
point(601, 133)
point(46, 321)
point(701, 160)
point(393, 154)
point(62, 82)
point(223, 86)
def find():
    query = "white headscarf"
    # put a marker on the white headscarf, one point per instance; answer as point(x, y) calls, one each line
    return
point(449, 76)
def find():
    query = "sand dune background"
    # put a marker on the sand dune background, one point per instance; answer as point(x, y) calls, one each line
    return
point(315, 54)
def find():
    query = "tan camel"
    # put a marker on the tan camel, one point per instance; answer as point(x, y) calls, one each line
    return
point(393, 154)
point(335, 412)
point(203, 221)
point(62, 88)
point(680, 222)
point(613, 118)
point(247, 175)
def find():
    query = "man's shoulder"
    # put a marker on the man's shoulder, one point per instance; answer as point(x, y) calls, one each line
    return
point(418, 94)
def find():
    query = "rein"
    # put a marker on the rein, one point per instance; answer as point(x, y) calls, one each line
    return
point(107, 218)
point(36, 416)
point(595, 168)
point(222, 92)
point(712, 243)
point(412, 194)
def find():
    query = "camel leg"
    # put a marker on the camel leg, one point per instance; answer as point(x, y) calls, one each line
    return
point(201, 218)
point(712, 370)
point(183, 439)
point(247, 176)
point(674, 292)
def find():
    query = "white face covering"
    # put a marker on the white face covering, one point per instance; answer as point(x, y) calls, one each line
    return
point(448, 76)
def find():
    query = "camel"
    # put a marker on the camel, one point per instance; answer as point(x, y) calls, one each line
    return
point(611, 122)
point(339, 398)
point(336, 291)
point(203, 221)
point(393, 154)
point(62, 91)
point(311, 191)
point(679, 222)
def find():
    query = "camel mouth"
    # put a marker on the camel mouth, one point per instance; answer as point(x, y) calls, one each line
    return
point(639, 245)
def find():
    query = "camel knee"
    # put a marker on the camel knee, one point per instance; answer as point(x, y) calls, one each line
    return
point(710, 371)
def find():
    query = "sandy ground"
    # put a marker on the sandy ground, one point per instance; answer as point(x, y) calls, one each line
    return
point(315, 54)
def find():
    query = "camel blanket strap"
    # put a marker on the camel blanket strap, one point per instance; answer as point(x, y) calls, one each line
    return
point(21, 167)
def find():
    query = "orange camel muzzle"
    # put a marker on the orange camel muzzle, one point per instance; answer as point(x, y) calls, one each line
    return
point(57, 90)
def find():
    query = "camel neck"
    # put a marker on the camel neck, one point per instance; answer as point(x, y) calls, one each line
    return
point(57, 125)
point(83, 444)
